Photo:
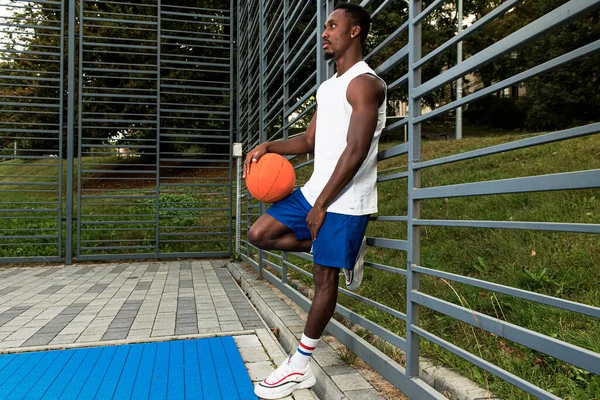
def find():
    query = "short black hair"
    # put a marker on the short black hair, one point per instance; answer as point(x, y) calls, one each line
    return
point(358, 16)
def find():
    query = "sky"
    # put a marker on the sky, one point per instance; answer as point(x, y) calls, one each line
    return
point(4, 12)
point(4, 9)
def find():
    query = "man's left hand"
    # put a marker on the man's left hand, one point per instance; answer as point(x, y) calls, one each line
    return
point(315, 219)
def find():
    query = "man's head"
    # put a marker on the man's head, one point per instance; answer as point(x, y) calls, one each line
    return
point(347, 26)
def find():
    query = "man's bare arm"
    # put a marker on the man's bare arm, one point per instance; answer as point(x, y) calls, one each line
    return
point(300, 144)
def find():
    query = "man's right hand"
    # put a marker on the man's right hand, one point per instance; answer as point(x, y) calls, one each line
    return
point(253, 156)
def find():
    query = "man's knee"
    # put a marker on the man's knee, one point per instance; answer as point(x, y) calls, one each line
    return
point(257, 236)
point(326, 278)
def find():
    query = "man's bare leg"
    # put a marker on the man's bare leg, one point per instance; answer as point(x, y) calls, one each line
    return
point(269, 234)
point(323, 304)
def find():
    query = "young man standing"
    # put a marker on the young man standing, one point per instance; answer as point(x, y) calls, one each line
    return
point(329, 215)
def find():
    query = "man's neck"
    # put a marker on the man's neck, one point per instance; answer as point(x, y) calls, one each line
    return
point(345, 62)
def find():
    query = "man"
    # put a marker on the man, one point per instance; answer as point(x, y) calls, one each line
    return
point(329, 215)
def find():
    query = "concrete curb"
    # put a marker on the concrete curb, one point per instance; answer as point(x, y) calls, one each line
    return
point(16, 350)
point(440, 378)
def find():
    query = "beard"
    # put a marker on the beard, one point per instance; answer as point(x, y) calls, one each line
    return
point(328, 56)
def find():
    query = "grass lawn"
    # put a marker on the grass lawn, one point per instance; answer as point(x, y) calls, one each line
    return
point(565, 265)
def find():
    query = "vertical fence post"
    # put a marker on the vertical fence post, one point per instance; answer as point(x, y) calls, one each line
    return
point(232, 109)
point(238, 130)
point(459, 82)
point(286, 94)
point(414, 182)
point(158, 83)
point(262, 134)
point(324, 68)
point(237, 154)
point(321, 62)
point(286, 52)
point(70, 134)
point(59, 201)
point(79, 129)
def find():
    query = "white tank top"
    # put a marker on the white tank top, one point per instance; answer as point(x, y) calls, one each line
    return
point(359, 197)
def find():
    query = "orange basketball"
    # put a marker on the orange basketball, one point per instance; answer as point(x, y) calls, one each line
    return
point(271, 179)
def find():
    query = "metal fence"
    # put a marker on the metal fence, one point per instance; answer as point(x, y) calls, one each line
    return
point(280, 66)
point(145, 91)
point(31, 122)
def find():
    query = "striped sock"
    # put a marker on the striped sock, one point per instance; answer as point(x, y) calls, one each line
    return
point(305, 349)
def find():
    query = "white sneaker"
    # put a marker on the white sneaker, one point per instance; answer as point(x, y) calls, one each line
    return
point(284, 380)
point(354, 276)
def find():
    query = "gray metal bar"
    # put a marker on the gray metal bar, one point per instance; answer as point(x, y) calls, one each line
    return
point(321, 62)
point(523, 294)
point(567, 352)
point(540, 226)
point(196, 16)
point(262, 135)
point(397, 124)
point(397, 150)
point(392, 61)
point(413, 281)
point(70, 133)
point(561, 181)
point(388, 243)
point(571, 133)
point(372, 303)
point(400, 218)
point(400, 81)
point(391, 177)
point(232, 35)
point(152, 256)
point(386, 268)
point(432, 7)
point(158, 126)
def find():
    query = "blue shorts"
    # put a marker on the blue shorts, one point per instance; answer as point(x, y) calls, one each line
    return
point(339, 238)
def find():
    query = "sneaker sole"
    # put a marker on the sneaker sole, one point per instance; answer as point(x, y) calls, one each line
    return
point(284, 392)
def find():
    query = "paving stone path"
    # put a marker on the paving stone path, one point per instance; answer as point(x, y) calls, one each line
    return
point(102, 302)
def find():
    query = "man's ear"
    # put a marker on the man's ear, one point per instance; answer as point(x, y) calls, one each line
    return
point(355, 31)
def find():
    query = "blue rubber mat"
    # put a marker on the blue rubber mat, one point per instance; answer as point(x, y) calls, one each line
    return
point(183, 369)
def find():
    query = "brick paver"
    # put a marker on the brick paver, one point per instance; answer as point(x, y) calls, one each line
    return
point(100, 302)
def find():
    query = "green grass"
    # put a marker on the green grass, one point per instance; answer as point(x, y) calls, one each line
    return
point(565, 265)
